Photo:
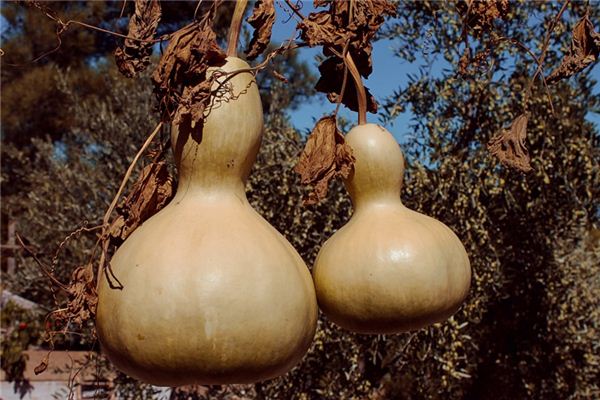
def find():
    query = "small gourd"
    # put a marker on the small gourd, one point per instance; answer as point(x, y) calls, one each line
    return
point(389, 269)
point(212, 293)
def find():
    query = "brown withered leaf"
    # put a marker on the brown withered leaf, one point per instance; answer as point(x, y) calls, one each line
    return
point(585, 48)
point(325, 156)
point(82, 298)
point(262, 20)
point(180, 79)
point(42, 366)
point(331, 81)
point(151, 192)
point(134, 56)
point(509, 145)
point(318, 29)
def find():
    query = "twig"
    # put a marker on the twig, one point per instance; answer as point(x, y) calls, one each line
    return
point(544, 51)
point(106, 219)
point(123, 9)
point(294, 9)
point(360, 89)
point(235, 27)
point(361, 94)
point(41, 264)
point(63, 26)
point(70, 236)
point(197, 8)
point(141, 151)
point(344, 80)
point(537, 61)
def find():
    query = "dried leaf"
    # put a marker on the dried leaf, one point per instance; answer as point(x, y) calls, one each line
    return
point(262, 20)
point(134, 56)
point(150, 194)
point(331, 81)
point(585, 48)
point(180, 79)
point(42, 365)
point(318, 29)
point(325, 156)
point(82, 298)
point(509, 145)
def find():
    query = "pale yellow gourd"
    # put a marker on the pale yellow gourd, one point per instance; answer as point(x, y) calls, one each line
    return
point(212, 294)
point(389, 269)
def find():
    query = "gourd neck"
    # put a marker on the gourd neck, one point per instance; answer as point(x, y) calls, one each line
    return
point(215, 156)
point(376, 180)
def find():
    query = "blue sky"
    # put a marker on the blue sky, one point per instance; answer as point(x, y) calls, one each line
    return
point(389, 74)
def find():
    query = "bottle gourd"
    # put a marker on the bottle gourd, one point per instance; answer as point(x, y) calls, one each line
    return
point(212, 294)
point(389, 269)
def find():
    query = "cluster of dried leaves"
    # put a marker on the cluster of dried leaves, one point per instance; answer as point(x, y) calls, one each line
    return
point(83, 298)
point(469, 63)
point(345, 26)
point(180, 79)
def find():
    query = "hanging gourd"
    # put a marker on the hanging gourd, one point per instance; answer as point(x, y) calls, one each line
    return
point(389, 269)
point(211, 293)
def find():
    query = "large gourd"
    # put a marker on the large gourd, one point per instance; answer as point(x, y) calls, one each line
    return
point(389, 269)
point(212, 294)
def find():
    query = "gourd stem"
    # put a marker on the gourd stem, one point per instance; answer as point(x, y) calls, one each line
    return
point(113, 204)
point(236, 27)
point(361, 94)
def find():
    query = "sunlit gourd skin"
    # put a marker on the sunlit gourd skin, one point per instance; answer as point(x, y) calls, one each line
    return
point(212, 294)
point(389, 269)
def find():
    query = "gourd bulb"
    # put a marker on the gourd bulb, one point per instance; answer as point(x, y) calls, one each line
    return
point(212, 294)
point(389, 269)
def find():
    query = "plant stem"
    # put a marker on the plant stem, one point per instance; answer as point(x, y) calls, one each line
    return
point(294, 9)
point(344, 80)
point(361, 94)
point(113, 204)
point(43, 268)
point(141, 151)
point(235, 27)
point(544, 51)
